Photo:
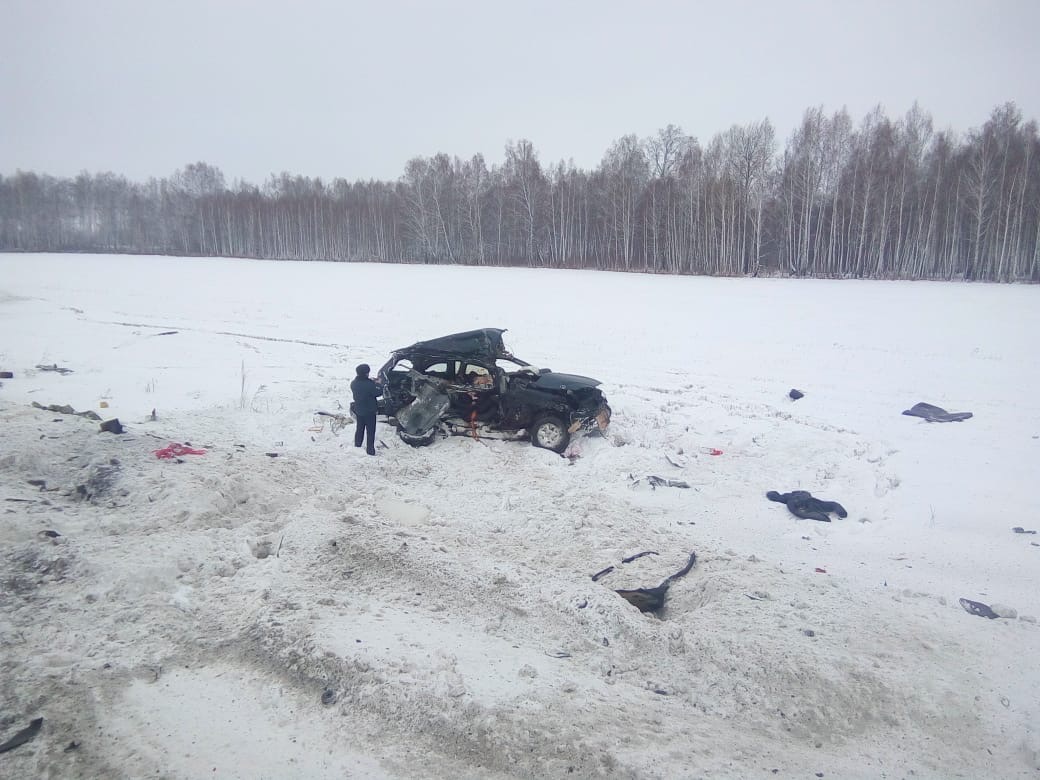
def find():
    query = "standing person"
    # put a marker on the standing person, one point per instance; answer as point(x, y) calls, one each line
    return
point(365, 394)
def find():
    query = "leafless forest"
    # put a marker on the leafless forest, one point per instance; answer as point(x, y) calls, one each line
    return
point(881, 199)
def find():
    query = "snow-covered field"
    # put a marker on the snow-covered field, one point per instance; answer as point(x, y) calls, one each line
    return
point(430, 612)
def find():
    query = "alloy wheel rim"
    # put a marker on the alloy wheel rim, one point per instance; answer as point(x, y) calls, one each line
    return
point(549, 434)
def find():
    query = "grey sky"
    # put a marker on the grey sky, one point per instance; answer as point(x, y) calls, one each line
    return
point(353, 90)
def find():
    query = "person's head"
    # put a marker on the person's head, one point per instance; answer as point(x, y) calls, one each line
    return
point(363, 370)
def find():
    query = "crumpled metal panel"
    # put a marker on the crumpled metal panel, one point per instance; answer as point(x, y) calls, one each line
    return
point(484, 343)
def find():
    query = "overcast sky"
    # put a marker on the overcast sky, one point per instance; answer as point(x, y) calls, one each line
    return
point(353, 90)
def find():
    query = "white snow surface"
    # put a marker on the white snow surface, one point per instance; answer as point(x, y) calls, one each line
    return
point(191, 615)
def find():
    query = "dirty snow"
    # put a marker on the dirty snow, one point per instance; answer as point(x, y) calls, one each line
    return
point(285, 606)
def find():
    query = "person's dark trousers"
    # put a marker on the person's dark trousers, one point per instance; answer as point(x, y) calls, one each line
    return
point(366, 423)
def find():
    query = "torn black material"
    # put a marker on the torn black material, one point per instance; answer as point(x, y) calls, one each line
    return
point(802, 504)
point(978, 608)
point(652, 599)
point(935, 413)
point(112, 426)
point(25, 735)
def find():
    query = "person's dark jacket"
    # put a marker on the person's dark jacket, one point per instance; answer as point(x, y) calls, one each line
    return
point(365, 394)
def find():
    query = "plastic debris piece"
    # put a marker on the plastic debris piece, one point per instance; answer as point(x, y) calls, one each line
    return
point(655, 482)
point(55, 367)
point(637, 556)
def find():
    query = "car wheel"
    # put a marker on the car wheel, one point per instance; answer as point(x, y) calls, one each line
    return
point(417, 439)
point(550, 433)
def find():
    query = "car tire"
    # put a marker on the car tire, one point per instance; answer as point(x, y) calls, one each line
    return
point(549, 432)
point(417, 440)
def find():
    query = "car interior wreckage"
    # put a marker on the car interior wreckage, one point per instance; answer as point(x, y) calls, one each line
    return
point(469, 384)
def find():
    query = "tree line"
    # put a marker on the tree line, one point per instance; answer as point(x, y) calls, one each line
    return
point(883, 199)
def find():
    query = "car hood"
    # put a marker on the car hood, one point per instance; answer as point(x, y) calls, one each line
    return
point(484, 343)
point(554, 381)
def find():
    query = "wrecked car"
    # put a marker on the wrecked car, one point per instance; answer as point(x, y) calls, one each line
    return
point(469, 384)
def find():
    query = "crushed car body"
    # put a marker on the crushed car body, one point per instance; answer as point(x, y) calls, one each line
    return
point(469, 384)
